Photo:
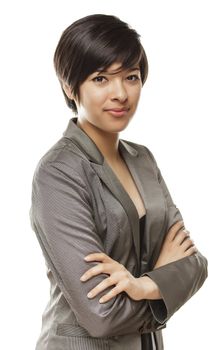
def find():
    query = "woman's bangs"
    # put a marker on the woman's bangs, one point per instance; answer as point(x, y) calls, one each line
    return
point(127, 57)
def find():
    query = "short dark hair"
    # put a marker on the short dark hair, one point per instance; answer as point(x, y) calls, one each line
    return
point(93, 43)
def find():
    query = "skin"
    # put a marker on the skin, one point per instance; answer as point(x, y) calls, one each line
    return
point(100, 91)
point(117, 88)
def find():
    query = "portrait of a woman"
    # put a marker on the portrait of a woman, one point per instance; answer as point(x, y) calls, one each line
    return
point(119, 258)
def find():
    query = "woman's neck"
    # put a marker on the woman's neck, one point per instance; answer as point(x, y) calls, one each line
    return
point(107, 143)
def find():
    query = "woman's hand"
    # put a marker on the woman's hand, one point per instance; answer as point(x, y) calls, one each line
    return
point(121, 278)
point(177, 245)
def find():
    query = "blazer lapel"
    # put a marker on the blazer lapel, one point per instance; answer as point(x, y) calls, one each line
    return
point(151, 192)
point(107, 175)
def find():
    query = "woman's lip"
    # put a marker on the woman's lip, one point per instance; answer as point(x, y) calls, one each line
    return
point(117, 109)
point(117, 113)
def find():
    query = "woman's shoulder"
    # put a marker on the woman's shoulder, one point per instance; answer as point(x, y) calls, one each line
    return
point(64, 154)
point(139, 148)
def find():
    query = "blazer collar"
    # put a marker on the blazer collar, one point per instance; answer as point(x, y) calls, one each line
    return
point(87, 145)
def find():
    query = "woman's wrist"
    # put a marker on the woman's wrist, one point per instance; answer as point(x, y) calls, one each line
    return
point(150, 288)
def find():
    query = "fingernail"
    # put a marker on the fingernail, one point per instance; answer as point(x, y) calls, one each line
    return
point(83, 278)
point(89, 295)
point(101, 300)
point(86, 258)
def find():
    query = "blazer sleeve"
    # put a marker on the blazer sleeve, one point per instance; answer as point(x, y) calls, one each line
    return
point(62, 217)
point(180, 280)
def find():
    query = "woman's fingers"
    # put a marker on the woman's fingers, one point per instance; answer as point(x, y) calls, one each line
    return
point(174, 229)
point(119, 286)
point(107, 282)
point(183, 239)
point(96, 270)
point(187, 244)
point(112, 293)
point(176, 245)
point(181, 236)
point(97, 257)
point(104, 267)
point(122, 285)
point(119, 276)
point(192, 250)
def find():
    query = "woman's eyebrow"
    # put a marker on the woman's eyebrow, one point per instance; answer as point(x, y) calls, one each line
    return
point(112, 73)
point(134, 68)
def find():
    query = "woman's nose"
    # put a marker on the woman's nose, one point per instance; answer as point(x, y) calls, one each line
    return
point(119, 92)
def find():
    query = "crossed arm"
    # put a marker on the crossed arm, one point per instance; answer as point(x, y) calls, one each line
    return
point(177, 245)
point(179, 264)
point(57, 191)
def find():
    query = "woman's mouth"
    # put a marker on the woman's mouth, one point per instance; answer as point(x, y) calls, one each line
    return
point(117, 112)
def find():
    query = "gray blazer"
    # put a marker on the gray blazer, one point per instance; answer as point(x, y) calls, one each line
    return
point(78, 207)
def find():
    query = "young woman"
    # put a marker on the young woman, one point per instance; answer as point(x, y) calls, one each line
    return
point(120, 261)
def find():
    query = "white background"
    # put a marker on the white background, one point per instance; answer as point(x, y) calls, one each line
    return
point(178, 119)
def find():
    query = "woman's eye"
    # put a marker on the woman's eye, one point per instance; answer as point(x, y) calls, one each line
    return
point(133, 77)
point(99, 79)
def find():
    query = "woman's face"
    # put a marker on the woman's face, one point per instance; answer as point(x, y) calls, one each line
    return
point(108, 100)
